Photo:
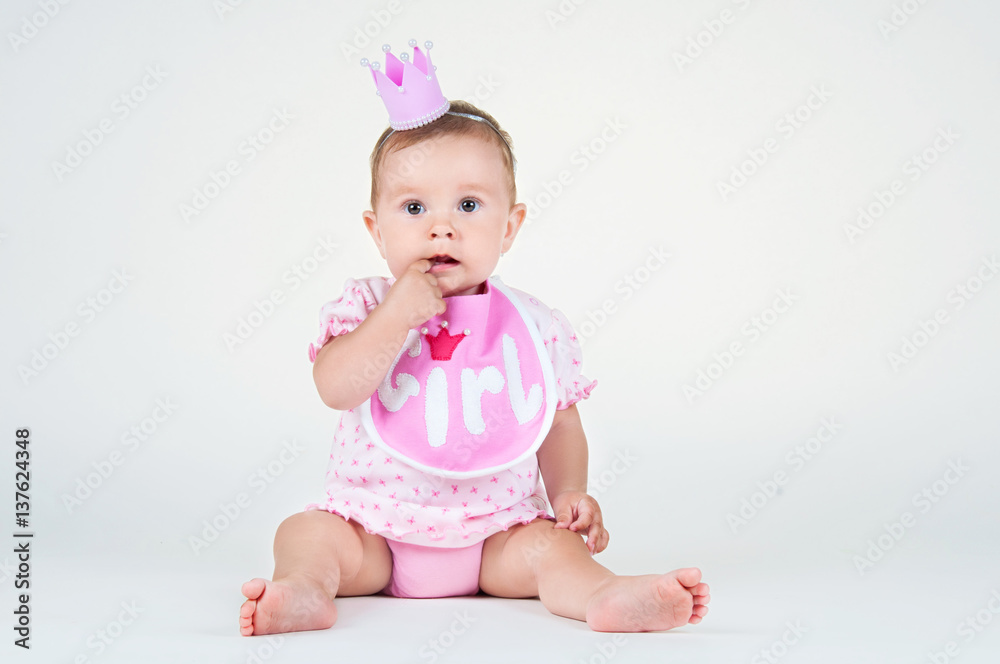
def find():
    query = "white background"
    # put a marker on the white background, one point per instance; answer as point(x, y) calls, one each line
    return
point(555, 76)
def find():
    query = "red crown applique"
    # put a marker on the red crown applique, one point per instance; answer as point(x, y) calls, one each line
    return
point(443, 344)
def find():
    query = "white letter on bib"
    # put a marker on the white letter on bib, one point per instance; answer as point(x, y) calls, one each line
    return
point(489, 379)
point(436, 407)
point(393, 398)
point(524, 407)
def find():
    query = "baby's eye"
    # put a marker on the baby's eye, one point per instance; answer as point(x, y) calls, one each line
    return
point(414, 208)
point(470, 205)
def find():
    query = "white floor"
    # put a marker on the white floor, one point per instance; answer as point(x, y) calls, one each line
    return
point(762, 611)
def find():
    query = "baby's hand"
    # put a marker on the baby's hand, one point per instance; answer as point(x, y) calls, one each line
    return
point(415, 298)
point(578, 511)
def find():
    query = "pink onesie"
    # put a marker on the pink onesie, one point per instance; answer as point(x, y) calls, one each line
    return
point(415, 490)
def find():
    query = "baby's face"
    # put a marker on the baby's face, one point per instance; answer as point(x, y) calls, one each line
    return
point(445, 199)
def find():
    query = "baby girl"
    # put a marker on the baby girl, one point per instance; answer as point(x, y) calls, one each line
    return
point(459, 398)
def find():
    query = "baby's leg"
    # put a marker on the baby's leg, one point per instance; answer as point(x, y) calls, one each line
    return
point(553, 564)
point(317, 556)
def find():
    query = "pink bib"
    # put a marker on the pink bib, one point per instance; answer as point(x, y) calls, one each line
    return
point(471, 393)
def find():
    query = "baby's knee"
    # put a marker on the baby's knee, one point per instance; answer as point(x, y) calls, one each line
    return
point(312, 521)
point(541, 535)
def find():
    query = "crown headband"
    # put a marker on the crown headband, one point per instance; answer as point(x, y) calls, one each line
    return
point(412, 94)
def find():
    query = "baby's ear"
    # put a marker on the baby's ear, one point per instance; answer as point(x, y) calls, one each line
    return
point(515, 218)
point(371, 223)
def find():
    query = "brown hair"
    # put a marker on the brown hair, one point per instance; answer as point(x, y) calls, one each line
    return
point(454, 125)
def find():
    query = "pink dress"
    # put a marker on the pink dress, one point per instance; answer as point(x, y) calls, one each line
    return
point(400, 502)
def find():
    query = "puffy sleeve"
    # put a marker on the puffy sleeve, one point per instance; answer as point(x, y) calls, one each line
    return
point(567, 357)
point(344, 314)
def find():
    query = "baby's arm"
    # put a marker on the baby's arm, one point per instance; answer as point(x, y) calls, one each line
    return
point(349, 368)
point(562, 460)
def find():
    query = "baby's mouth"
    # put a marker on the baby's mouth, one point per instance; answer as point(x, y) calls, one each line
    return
point(442, 262)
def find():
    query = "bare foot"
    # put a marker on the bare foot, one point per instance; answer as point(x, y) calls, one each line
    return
point(284, 606)
point(649, 603)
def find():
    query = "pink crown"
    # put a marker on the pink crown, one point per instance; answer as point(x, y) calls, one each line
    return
point(410, 91)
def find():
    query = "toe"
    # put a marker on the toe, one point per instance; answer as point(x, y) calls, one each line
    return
point(689, 577)
point(253, 588)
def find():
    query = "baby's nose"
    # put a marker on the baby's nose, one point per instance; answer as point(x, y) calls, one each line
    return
point(442, 228)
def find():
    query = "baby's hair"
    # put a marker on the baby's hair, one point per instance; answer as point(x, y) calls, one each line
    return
point(447, 124)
